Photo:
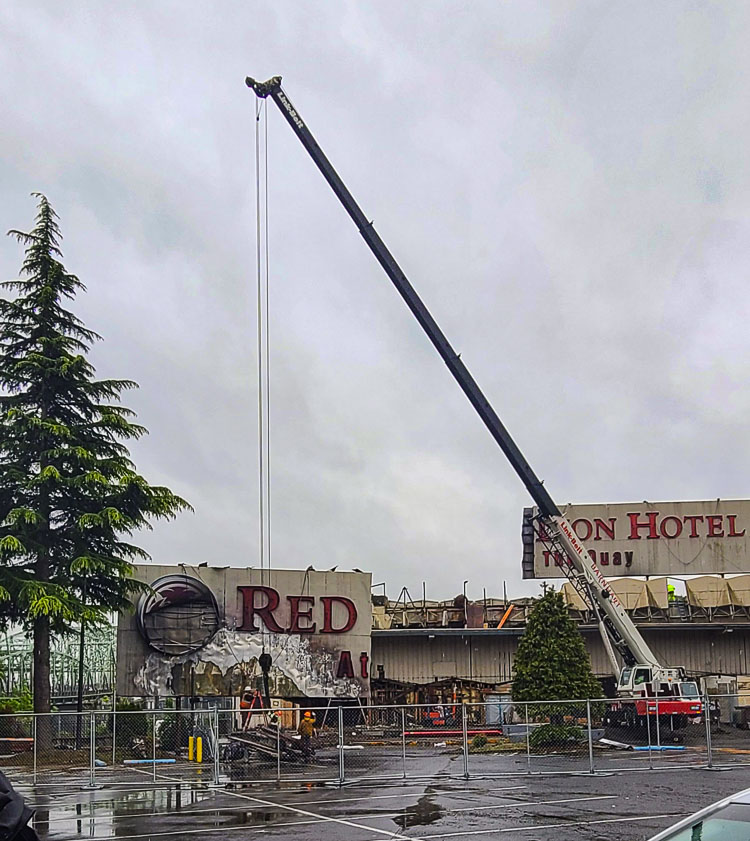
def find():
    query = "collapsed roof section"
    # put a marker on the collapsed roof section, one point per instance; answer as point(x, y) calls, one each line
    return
point(707, 598)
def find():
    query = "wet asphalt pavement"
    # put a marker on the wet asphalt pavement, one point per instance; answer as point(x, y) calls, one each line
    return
point(621, 805)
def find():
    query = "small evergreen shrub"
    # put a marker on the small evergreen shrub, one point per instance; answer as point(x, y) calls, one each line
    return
point(556, 735)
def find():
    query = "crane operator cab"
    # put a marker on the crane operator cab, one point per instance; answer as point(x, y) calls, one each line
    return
point(654, 682)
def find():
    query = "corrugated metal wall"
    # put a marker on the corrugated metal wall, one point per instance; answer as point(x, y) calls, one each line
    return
point(422, 659)
point(417, 658)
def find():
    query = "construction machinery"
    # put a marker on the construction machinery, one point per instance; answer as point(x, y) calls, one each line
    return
point(639, 675)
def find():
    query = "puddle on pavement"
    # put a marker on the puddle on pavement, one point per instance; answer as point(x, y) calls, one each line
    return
point(156, 800)
point(211, 820)
point(253, 817)
point(282, 785)
point(425, 812)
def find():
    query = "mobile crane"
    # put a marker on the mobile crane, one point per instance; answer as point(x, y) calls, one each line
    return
point(640, 676)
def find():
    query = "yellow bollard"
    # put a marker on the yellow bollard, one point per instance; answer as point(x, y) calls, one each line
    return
point(199, 749)
point(191, 748)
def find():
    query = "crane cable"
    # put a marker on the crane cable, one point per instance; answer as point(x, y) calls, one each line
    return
point(263, 349)
point(267, 358)
point(264, 380)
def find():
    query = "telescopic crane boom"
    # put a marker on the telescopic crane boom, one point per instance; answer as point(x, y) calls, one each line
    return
point(618, 631)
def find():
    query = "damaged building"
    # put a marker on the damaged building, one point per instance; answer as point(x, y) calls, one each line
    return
point(205, 631)
point(426, 650)
point(202, 632)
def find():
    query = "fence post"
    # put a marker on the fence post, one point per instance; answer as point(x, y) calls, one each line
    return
point(217, 758)
point(114, 732)
point(33, 733)
point(465, 739)
point(92, 750)
point(591, 737)
point(403, 740)
point(528, 741)
point(341, 744)
point(278, 750)
point(648, 729)
point(153, 742)
point(707, 717)
point(658, 726)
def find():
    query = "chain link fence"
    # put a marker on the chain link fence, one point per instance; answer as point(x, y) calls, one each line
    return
point(339, 744)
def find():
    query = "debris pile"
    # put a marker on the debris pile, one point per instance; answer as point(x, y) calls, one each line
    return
point(267, 742)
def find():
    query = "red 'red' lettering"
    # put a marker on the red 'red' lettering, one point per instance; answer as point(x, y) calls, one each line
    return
point(604, 559)
point(636, 525)
point(676, 531)
point(250, 609)
point(296, 614)
point(733, 527)
point(607, 528)
point(617, 558)
point(715, 525)
point(363, 660)
point(584, 526)
point(351, 609)
point(693, 519)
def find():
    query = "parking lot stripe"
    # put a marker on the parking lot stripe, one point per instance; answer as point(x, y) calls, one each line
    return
point(521, 803)
point(539, 826)
point(389, 796)
point(313, 815)
point(155, 777)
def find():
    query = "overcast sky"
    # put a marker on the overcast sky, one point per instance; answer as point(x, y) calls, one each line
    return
point(567, 184)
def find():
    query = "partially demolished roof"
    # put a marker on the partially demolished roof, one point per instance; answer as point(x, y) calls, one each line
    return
point(708, 597)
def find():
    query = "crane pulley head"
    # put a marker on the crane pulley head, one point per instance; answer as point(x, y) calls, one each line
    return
point(263, 89)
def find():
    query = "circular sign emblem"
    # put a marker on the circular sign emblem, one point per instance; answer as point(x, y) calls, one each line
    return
point(178, 615)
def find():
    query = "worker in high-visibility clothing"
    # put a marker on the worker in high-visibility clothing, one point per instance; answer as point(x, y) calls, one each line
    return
point(246, 706)
point(671, 596)
point(306, 731)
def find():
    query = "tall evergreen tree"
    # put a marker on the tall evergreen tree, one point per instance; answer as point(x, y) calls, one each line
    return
point(70, 497)
point(552, 663)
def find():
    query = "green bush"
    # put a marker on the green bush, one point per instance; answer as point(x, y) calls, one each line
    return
point(557, 735)
point(10, 725)
point(479, 741)
point(17, 703)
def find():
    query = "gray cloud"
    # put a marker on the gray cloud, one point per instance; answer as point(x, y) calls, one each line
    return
point(565, 183)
